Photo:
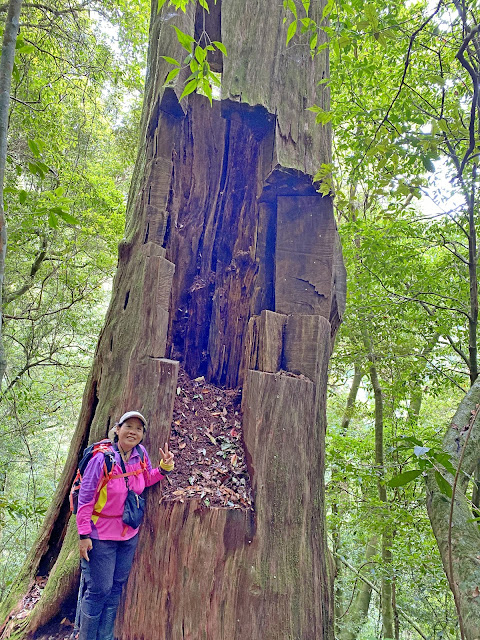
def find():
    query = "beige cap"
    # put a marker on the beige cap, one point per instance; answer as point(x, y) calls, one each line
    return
point(132, 414)
point(126, 416)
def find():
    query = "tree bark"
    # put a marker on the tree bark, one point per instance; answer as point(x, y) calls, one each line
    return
point(6, 70)
point(465, 534)
point(209, 250)
point(386, 591)
point(352, 397)
point(336, 530)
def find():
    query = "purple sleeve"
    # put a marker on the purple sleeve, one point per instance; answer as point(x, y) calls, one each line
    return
point(88, 493)
point(151, 475)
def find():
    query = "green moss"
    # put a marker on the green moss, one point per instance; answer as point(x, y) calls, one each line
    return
point(61, 576)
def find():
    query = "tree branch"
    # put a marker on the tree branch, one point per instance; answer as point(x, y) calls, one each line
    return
point(33, 271)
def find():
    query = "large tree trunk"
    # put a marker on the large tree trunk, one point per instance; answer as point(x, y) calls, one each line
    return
point(231, 263)
point(458, 538)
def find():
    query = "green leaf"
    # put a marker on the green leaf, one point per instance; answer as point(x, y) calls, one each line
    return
point(323, 117)
point(220, 46)
point(292, 30)
point(67, 217)
point(445, 460)
point(160, 4)
point(444, 486)
point(442, 123)
point(378, 35)
point(171, 75)
point(200, 54)
point(22, 196)
point(306, 6)
point(428, 164)
point(36, 170)
point(52, 220)
point(32, 145)
point(204, 4)
point(420, 451)
point(207, 89)
point(15, 73)
point(344, 41)
point(59, 191)
point(438, 80)
point(371, 15)
point(184, 39)
point(404, 478)
point(328, 8)
point(27, 48)
point(171, 60)
point(189, 88)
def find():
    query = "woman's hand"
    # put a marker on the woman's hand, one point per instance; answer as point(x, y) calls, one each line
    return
point(167, 456)
point(85, 545)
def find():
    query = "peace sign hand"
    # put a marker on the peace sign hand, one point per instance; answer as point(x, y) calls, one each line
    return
point(167, 456)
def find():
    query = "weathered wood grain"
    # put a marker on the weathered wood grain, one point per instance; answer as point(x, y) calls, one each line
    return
point(306, 235)
point(220, 574)
point(264, 343)
point(262, 70)
point(306, 348)
point(270, 345)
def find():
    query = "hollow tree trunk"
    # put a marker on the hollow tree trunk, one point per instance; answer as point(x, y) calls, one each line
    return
point(231, 263)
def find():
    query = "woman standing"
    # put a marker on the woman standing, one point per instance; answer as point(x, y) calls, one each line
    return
point(107, 545)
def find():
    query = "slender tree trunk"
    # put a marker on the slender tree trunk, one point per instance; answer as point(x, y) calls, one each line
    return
point(472, 271)
point(336, 531)
point(357, 613)
point(352, 397)
point(417, 393)
point(396, 617)
point(387, 610)
point(6, 69)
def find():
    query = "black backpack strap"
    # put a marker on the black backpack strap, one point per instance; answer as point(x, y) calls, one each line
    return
point(122, 464)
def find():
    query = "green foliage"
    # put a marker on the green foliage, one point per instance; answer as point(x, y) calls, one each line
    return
point(72, 143)
point(201, 78)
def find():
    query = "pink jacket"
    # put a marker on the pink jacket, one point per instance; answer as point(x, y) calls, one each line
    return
point(109, 500)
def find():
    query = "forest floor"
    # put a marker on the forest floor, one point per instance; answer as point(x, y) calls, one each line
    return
point(210, 465)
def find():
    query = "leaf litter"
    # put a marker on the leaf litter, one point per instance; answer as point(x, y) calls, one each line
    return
point(207, 440)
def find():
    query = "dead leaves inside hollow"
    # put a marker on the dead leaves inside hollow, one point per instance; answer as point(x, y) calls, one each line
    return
point(206, 439)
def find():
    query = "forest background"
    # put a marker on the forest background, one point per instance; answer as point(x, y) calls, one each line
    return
point(405, 119)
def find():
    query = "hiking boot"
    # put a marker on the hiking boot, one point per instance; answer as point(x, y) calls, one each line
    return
point(88, 626)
